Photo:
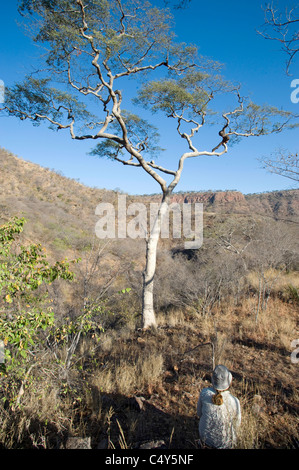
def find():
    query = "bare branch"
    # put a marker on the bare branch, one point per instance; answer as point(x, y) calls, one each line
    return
point(283, 28)
point(160, 168)
point(283, 163)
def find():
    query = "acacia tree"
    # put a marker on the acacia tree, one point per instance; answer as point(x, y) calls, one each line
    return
point(93, 47)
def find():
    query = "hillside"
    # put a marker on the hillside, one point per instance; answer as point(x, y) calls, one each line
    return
point(50, 202)
point(47, 197)
point(60, 213)
point(238, 294)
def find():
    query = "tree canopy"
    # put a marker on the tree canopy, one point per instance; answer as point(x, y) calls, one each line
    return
point(93, 47)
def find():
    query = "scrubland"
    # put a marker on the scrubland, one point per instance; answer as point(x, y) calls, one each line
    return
point(234, 302)
point(167, 368)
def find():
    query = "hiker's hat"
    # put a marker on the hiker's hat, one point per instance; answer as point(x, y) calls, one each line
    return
point(221, 378)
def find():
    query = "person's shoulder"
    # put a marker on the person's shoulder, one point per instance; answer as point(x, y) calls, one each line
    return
point(234, 399)
point(207, 391)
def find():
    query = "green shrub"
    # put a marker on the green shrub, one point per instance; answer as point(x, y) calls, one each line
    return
point(25, 310)
point(293, 293)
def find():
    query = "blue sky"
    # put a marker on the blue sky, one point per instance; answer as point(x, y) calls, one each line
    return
point(224, 31)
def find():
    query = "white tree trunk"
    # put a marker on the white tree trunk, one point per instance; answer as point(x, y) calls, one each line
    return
point(148, 313)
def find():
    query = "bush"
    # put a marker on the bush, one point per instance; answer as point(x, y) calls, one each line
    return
point(25, 309)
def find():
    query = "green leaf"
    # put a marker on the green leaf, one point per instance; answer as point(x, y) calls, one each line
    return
point(23, 353)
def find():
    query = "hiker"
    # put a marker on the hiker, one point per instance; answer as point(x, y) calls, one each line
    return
point(219, 412)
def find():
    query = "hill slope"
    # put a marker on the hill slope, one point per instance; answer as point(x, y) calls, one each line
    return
point(37, 192)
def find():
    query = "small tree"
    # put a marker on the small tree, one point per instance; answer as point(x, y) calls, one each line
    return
point(24, 314)
point(93, 47)
point(269, 255)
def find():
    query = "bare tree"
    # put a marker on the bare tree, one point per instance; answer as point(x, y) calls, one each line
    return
point(283, 27)
point(283, 163)
point(93, 47)
point(269, 256)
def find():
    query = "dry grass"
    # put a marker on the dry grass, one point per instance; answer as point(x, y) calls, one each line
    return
point(276, 325)
point(127, 377)
point(41, 415)
point(280, 280)
point(171, 318)
point(159, 366)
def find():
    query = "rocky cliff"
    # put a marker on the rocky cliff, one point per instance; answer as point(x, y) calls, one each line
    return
point(277, 204)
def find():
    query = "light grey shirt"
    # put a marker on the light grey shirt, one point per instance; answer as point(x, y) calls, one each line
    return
point(218, 425)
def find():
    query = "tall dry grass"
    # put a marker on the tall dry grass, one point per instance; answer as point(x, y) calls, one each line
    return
point(126, 377)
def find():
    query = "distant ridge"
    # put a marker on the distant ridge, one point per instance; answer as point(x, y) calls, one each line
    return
point(29, 189)
point(276, 204)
